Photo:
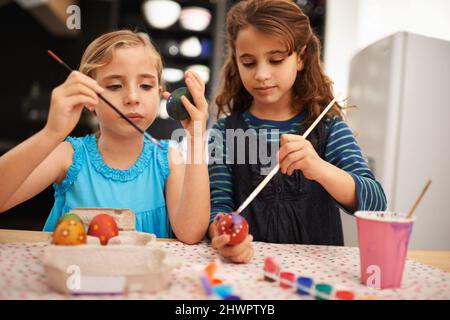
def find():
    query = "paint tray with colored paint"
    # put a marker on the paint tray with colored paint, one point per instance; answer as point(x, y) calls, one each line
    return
point(383, 245)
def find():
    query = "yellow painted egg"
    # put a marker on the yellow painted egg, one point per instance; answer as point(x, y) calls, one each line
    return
point(69, 232)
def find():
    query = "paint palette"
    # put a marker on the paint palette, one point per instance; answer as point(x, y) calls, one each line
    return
point(303, 286)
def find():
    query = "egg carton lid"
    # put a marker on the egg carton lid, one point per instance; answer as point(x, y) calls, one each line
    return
point(124, 217)
point(111, 269)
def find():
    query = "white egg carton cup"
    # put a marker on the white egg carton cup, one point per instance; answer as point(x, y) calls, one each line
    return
point(131, 262)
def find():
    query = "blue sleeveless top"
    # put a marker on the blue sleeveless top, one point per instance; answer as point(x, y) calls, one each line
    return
point(90, 182)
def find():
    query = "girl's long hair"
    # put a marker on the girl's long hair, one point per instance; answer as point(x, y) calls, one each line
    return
point(285, 20)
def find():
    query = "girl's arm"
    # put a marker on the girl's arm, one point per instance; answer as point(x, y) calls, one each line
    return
point(187, 195)
point(187, 190)
point(343, 172)
point(34, 164)
point(25, 185)
point(339, 184)
point(220, 176)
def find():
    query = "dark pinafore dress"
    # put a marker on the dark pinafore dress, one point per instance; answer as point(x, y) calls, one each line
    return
point(290, 209)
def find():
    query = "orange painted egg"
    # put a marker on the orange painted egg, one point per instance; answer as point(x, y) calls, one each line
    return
point(104, 227)
point(69, 232)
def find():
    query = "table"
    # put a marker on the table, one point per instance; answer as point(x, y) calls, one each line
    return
point(426, 273)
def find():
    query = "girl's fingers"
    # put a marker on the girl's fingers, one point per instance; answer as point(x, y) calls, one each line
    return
point(214, 225)
point(249, 255)
point(78, 77)
point(220, 241)
point(78, 88)
point(291, 158)
point(288, 148)
point(235, 250)
point(78, 100)
point(294, 166)
point(92, 102)
point(229, 251)
point(244, 250)
point(166, 95)
point(90, 107)
point(285, 138)
point(218, 216)
point(190, 108)
point(197, 95)
point(243, 256)
point(197, 79)
point(197, 90)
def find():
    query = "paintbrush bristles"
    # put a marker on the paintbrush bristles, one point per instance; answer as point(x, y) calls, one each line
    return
point(54, 56)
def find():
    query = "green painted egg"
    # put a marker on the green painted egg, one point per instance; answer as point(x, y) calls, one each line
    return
point(68, 216)
point(175, 107)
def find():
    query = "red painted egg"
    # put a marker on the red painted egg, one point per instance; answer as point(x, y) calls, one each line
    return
point(235, 226)
point(104, 227)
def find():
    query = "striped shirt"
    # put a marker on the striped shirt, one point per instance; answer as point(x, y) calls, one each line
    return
point(341, 150)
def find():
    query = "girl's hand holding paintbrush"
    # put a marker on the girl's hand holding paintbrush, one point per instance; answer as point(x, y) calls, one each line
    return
point(297, 153)
point(68, 101)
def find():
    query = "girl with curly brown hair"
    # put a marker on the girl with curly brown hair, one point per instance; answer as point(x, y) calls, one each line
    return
point(273, 87)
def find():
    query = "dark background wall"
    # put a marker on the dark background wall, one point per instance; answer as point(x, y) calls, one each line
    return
point(28, 74)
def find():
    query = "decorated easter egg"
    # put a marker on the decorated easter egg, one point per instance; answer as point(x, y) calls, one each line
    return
point(104, 227)
point(175, 107)
point(69, 232)
point(235, 226)
point(68, 216)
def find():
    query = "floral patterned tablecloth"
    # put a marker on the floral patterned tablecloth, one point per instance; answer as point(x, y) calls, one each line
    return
point(22, 274)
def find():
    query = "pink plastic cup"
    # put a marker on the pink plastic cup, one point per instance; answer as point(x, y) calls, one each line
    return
point(383, 245)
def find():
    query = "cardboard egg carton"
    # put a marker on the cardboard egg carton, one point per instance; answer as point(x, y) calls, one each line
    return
point(130, 262)
point(124, 218)
point(91, 269)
